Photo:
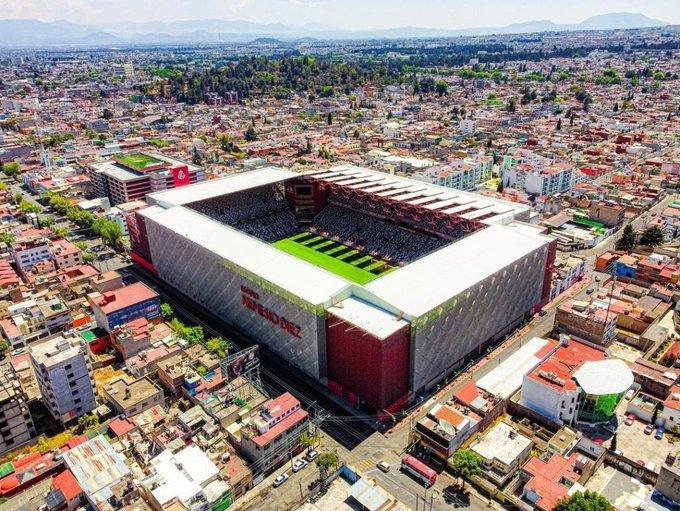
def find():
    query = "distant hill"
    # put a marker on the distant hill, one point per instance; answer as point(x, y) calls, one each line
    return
point(33, 33)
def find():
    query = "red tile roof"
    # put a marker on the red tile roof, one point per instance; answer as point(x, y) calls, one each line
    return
point(119, 299)
point(564, 363)
point(547, 478)
point(67, 483)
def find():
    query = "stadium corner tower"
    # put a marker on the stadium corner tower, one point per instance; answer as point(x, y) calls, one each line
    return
point(376, 286)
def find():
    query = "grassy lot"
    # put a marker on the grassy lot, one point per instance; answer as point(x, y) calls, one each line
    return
point(333, 264)
point(137, 161)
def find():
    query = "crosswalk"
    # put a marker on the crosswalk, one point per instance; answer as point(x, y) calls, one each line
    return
point(366, 464)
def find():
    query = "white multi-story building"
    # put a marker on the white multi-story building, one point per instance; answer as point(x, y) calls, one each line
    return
point(577, 383)
point(525, 170)
point(62, 370)
point(461, 174)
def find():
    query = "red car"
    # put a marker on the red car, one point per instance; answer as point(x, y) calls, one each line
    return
point(630, 419)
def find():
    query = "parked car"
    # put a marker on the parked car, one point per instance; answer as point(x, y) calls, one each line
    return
point(299, 465)
point(598, 279)
point(542, 313)
point(383, 465)
point(311, 455)
point(18, 351)
point(648, 429)
point(630, 394)
point(630, 419)
point(282, 478)
point(590, 291)
point(659, 432)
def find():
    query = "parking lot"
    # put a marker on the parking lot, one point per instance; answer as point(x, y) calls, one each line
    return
point(635, 445)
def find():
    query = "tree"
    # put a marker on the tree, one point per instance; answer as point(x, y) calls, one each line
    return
point(88, 256)
point(467, 464)
point(329, 119)
point(196, 158)
point(500, 188)
point(4, 345)
point(107, 114)
point(588, 501)
point(250, 134)
point(559, 124)
point(7, 238)
point(60, 232)
point(166, 311)
point(326, 463)
point(628, 239)
point(652, 237)
point(88, 422)
point(217, 346)
point(27, 207)
point(441, 87)
point(11, 169)
point(46, 221)
point(612, 445)
point(616, 107)
point(309, 440)
point(81, 245)
point(511, 105)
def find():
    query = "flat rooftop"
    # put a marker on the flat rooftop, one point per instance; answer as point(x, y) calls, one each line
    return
point(126, 394)
point(367, 317)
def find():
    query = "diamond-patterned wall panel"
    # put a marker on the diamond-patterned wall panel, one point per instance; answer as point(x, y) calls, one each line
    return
point(439, 346)
point(204, 276)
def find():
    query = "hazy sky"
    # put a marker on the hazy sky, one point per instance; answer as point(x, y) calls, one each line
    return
point(338, 13)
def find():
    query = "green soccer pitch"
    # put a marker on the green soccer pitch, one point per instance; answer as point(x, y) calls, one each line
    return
point(344, 261)
point(137, 161)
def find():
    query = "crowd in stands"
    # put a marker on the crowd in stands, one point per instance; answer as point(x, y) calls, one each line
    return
point(271, 228)
point(240, 207)
point(263, 213)
point(376, 237)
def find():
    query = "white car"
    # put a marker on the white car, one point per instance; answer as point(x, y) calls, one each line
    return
point(299, 465)
point(281, 479)
point(311, 455)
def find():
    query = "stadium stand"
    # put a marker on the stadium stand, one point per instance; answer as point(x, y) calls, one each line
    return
point(373, 236)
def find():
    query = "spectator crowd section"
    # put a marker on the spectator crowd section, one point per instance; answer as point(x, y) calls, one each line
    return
point(373, 236)
point(263, 213)
point(266, 214)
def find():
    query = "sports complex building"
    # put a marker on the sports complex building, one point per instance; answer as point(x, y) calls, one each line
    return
point(376, 286)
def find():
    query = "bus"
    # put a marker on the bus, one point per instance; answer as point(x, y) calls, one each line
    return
point(419, 470)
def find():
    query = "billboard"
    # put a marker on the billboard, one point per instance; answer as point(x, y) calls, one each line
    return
point(180, 175)
point(240, 363)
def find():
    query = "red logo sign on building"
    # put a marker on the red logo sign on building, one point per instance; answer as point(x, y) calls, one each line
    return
point(180, 175)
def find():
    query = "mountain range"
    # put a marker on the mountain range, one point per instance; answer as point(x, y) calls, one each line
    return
point(21, 33)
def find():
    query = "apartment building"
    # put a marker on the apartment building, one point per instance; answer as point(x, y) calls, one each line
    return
point(16, 424)
point(610, 213)
point(62, 371)
point(461, 174)
point(132, 397)
point(273, 433)
point(120, 306)
point(586, 320)
point(129, 177)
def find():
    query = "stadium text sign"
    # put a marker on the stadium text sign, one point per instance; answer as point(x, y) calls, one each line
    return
point(250, 299)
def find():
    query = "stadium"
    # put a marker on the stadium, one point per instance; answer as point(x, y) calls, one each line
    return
point(377, 286)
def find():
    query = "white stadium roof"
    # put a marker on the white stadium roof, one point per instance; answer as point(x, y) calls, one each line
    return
point(218, 187)
point(428, 282)
point(311, 283)
point(413, 191)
